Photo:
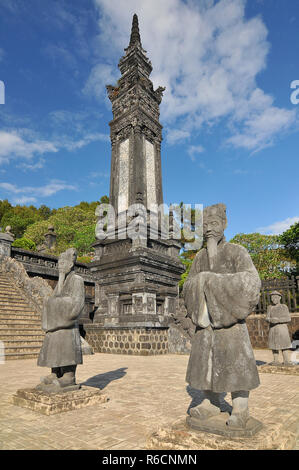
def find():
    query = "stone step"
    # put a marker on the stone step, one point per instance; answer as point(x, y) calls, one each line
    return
point(13, 309)
point(4, 293)
point(22, 349)
point(16, 330)
point(19, 316)
point(20, 323)
point(18, 356)
point(8, 286)
point(9, 344)
point(12, 295)
point(15, 304)
point(16, 307)
point(17, 337)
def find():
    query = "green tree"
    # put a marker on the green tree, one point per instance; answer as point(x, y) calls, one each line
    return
point(84, 239)
point(290, 241)
point(5, 206)
point(45, 212)
point(24, 243)
point(268, 256)
point(69, 223)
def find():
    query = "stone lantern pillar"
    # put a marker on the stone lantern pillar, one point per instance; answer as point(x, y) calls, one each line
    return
point(6, 240)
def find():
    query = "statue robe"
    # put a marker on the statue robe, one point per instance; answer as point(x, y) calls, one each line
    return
point(62, 345)
point(279, 337)
point(218, 300)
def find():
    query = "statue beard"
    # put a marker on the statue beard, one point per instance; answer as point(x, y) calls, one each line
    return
point(64, 270)
point(61, 279)
point(212, 247)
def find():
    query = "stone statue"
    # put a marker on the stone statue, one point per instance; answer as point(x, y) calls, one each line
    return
point(61, 349)
point(221, 290)
point(278, 316)
point(8, 232)
point(49, 243)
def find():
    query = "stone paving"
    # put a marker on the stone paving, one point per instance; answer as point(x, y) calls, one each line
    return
point(146, 393)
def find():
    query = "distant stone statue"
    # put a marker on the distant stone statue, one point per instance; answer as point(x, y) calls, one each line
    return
point(8, 232)
point(221, 290)
point(278, 316)
point(49, 243)
point(61, 349)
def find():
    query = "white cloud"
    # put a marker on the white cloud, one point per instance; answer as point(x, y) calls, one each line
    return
point(23, 200)
point(278, 227)
point(14, 145)
point(195, 149)
point(23, 144)
point(36, 192)
point(176, 135)
point(33, 166)
point(99, 174)
point(101, 75)
point(208, 55)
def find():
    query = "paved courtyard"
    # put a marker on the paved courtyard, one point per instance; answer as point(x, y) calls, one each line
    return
point(145, 393)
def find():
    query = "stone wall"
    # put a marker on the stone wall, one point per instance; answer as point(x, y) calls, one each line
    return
point(133, 341)
point(258, 329)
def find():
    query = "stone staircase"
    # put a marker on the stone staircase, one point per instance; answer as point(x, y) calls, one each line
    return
point(20, 324)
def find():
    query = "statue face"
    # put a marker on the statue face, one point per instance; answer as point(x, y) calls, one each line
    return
point(213, 227)
point(275, 299)
point(65, 264)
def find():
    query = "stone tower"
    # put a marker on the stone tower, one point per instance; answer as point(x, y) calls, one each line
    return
point(136, 133)
point(137, 280)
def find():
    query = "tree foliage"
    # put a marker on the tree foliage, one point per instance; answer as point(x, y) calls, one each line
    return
point(24, 243)
point(268, 256)
point(74, 227)
point(20, 217)
point(290, 241)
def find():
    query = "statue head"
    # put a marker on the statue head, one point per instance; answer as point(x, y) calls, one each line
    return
point(214, 221)
point(275, 297)
point(67, 261)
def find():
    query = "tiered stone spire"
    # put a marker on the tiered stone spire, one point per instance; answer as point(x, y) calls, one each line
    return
point(137, 278)
point(136, 132)
point(135, 36)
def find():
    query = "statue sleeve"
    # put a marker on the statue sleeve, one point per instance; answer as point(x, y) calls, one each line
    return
point(232, 297)
point(281, 315)
point(194, 296)
point(63, 311)
point(268, 316)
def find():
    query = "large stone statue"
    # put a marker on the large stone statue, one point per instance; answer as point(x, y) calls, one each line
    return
point(278, 316)
point(221, 290)
point(61, 349)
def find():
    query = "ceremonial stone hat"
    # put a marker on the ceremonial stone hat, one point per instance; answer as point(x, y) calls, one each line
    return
point(275, 292)
point(216, 209)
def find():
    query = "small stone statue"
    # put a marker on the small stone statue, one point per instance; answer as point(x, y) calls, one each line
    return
point(278, 316)
point(221, 290)
point(61, 349)
point(49, 243)
point(8, 232)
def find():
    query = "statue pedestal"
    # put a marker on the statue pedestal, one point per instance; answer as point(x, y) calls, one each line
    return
point(217, 425)
point(279, 369)
point(179, 436)
point(52, 403)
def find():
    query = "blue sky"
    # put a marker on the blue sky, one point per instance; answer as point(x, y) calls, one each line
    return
point(230, 129)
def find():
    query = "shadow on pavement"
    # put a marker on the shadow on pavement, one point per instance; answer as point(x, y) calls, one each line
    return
point(260, 363)
point(198, 397)
point(102, 380)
